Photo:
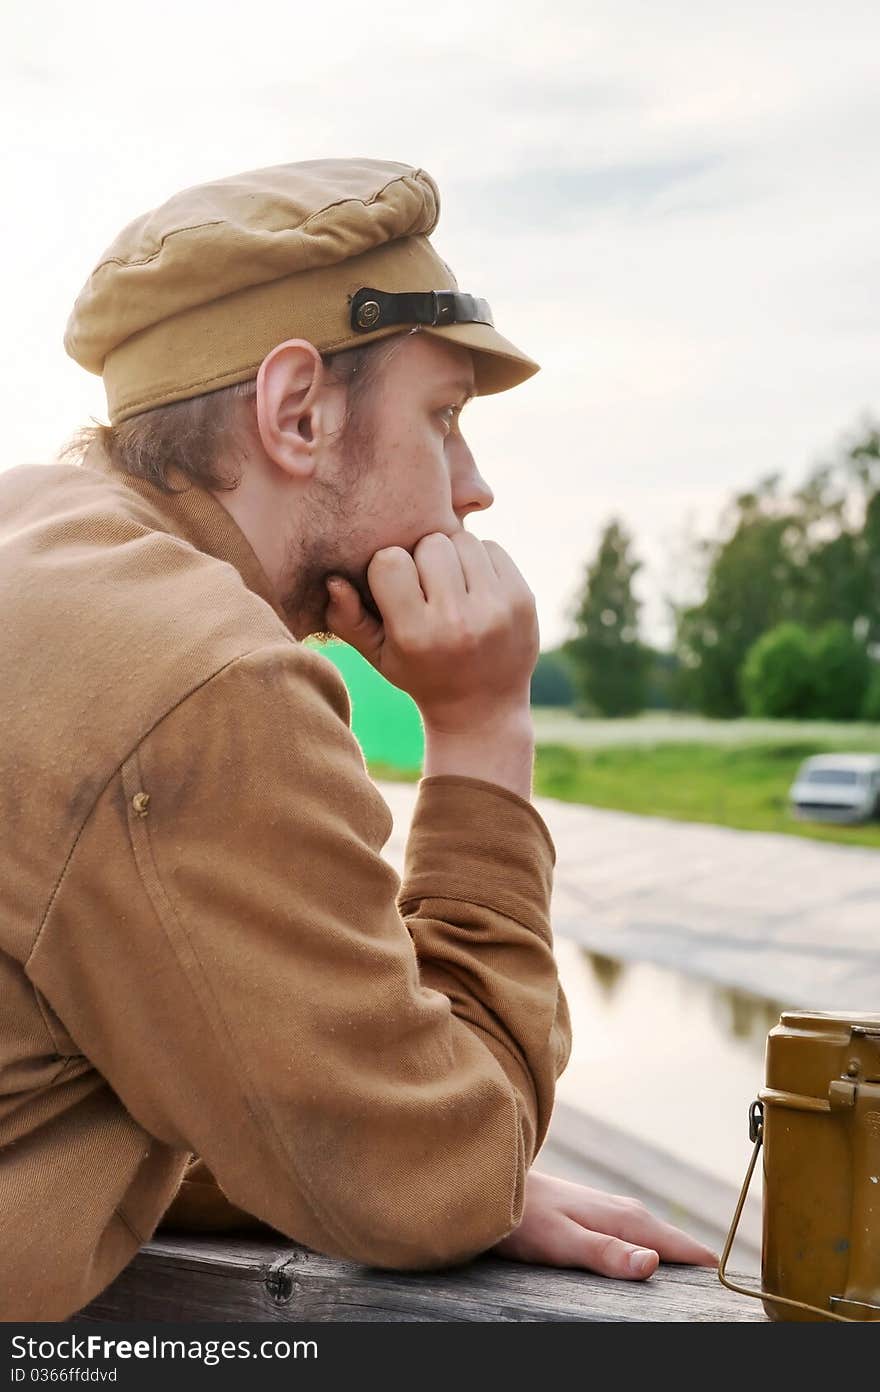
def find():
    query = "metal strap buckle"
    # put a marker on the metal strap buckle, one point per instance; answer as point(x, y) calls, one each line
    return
point(373, 309)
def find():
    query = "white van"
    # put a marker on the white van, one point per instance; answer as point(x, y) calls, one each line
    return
point(837, 788)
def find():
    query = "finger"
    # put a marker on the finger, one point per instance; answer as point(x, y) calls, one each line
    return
point(638, 1225)
point(476, 563)
point(349, 620)
point(630, 1219)
point(439, 567)
point(603, 1253)
point(394, 583)
point(505, 566)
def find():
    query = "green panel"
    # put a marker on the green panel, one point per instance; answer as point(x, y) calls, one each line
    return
point(385, 721)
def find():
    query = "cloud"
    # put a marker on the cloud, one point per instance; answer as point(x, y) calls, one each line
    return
point(536, 200)
point(673, 207)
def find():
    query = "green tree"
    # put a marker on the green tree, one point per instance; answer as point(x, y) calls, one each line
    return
point(810, 557)
point(664, 676)
point(552, 682)
point(863, 460)
point(778, 676)
point(789, 672)
point(871, 703)
point(609, 663)
point(749, 589)
point(841, 673)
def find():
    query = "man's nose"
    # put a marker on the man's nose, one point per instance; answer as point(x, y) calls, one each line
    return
point(470, 491)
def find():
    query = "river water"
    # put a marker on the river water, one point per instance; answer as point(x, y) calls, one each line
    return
point(650, 1044)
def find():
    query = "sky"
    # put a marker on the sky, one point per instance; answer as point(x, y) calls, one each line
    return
point(673, 207)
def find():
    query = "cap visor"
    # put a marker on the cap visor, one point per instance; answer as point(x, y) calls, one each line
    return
point(498, 363)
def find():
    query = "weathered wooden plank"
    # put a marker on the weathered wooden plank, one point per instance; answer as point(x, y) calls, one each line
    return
point(187, 1277)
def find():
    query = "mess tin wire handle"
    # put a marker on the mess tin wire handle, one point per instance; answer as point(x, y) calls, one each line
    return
point(756, 1134)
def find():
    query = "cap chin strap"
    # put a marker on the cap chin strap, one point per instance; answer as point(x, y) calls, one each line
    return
point(375, 309)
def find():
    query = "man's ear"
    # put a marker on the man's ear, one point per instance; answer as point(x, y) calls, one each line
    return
point(291, 404)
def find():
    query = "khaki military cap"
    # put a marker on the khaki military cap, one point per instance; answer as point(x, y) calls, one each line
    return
point(192, 296)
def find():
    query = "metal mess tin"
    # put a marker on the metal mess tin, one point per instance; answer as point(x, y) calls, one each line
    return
point(818, 1122)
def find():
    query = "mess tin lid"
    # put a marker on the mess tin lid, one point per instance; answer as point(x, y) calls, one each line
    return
point(808, 1049)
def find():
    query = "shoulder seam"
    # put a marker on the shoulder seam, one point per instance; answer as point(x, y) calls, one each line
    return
point(115, 771)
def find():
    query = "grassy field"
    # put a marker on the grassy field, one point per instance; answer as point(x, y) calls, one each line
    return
point(732, 773)
point(742, 786)
point(559, 726)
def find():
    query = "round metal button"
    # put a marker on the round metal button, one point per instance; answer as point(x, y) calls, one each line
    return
point(368, 314)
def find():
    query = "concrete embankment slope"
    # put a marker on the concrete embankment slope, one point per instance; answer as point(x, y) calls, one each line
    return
point(782, 917)
point(779, 916)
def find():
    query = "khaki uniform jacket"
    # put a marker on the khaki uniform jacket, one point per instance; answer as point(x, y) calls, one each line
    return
point(218, 1002)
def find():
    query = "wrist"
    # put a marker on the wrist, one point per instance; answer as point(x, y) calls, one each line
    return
point(502, 752)
point(514, 722)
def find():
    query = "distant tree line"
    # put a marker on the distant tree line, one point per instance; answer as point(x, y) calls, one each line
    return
point(787, 624)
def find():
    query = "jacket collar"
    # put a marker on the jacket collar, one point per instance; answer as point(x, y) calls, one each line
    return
point(198, 517)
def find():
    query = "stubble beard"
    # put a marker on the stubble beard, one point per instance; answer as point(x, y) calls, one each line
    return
point(327, 549)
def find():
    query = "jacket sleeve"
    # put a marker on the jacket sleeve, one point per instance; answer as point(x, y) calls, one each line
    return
point(364, 1063)
point(201, 1206)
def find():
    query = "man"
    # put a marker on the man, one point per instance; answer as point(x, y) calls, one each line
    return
point(221, 1007)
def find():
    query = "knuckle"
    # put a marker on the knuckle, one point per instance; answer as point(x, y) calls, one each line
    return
point(526, 601)
point(452, 625)
point(466, 636)
point(491, 611)
point(610, 1250)
point(432, 541)
point(413, 642)
point(388, 556)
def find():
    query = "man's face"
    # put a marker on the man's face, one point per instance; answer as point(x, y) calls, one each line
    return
point(402, 472)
